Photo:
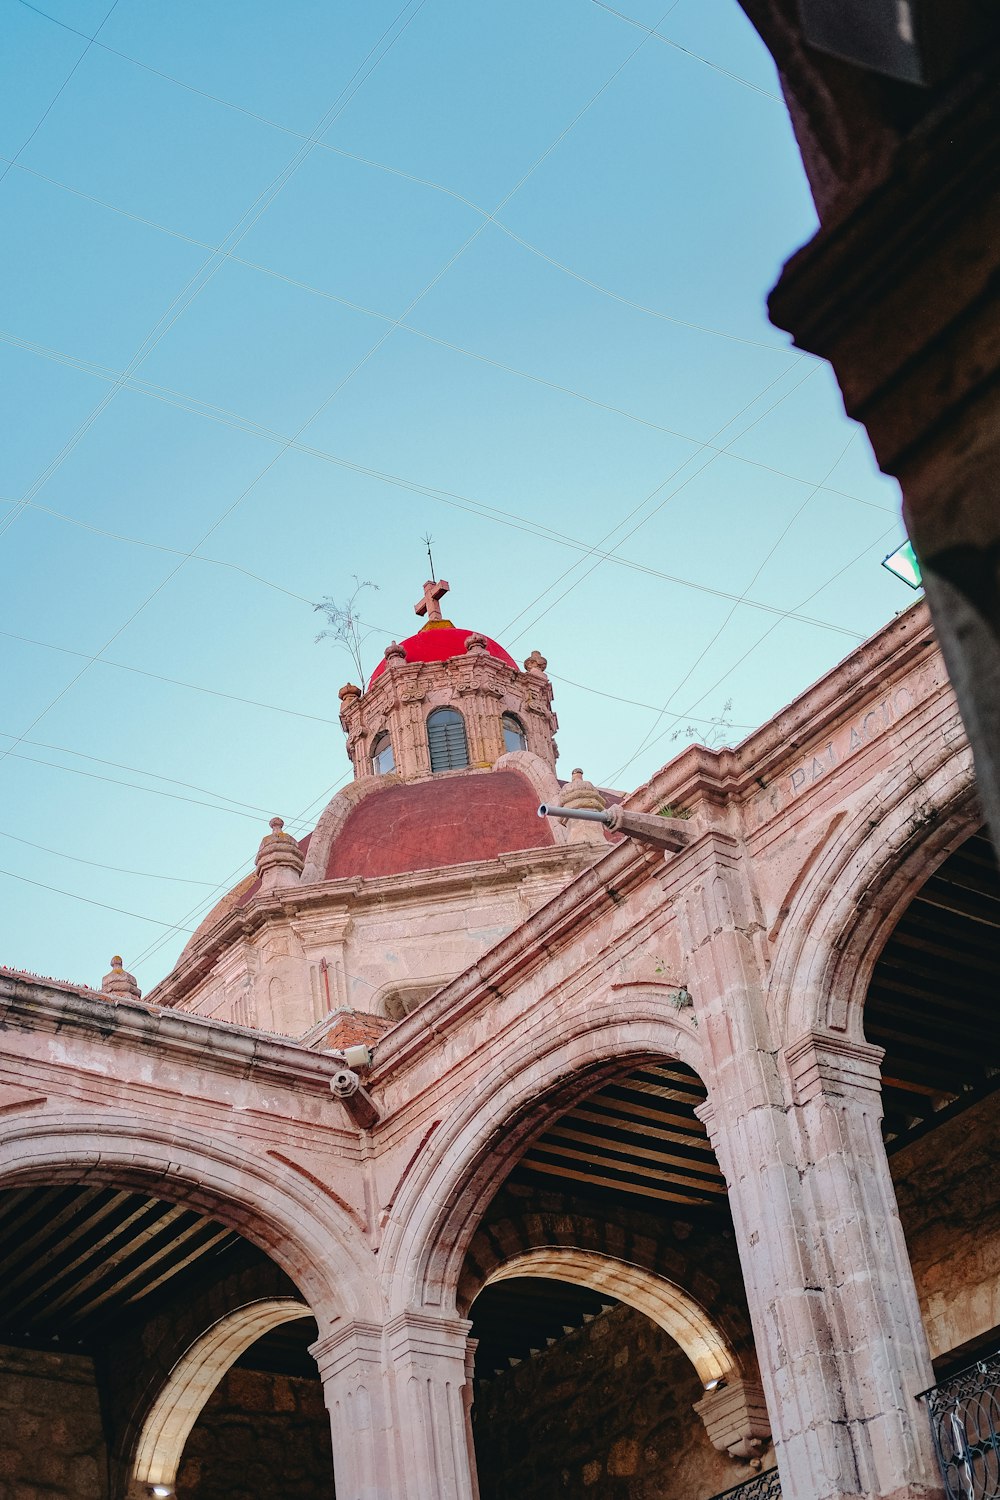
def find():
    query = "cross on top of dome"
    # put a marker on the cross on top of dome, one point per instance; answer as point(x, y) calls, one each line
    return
point(434, 591)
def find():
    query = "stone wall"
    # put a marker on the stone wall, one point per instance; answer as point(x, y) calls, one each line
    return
point(51, 1439)
point(948, 1190)
point(605, 1414)
point(259, 1437)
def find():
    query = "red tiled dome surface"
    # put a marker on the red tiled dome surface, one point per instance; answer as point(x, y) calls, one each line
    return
point(428, 825)
point(424, 825)
point(440, 642)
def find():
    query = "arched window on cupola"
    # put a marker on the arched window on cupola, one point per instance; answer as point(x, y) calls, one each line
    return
point(382, 758)
point(446, 741)
point(514, 737)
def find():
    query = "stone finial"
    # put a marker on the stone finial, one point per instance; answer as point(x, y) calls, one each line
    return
point(579, 793)
point(475, 643)
point(536, 662)
point(348, 694)
point(394, 652)
point(279, 858)
point(120, 982)
point(583, 795)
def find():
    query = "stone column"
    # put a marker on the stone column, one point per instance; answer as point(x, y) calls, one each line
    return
point(429, 1357)
point(878, 1339)
point(352, 1369)
point(818, 1258)
point(399, 1408)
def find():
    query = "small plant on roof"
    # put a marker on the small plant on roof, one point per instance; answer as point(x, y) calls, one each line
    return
point(345, 626)
point(716, 737)
point(673, 810)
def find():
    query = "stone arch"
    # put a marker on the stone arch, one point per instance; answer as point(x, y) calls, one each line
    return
point(689, 1259)
point(665, 1303)
point(310, 1236)
point(191, 1382)
point(837, 920)
point(531, 1076)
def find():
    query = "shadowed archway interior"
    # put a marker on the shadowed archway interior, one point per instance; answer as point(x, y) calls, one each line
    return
point(144, 1324)
point(935, 982)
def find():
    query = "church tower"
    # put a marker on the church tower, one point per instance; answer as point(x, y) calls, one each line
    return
point(447, 699)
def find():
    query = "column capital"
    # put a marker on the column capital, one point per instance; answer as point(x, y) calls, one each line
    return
point(416, 1332)
point(826, 1063)
point(345, 1345)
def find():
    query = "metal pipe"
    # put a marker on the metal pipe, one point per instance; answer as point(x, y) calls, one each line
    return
point(545, 811)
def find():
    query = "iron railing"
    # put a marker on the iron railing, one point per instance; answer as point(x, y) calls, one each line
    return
point(765, 1486)
point(965, 1423)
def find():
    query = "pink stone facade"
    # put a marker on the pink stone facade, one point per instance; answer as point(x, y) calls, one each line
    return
point(496, 990)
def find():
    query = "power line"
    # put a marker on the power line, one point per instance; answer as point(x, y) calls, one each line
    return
point(168, 320)
point(138, 541)
point(411, 177)
point(139, 771)
point(195, 406)
point(605, 556)
point(635, 703)
point(72, 896)
point(871, 546)
point(695, 56)
point(760, 568)
point(96, 865)
point(771, 346)
point(91, 42)
point(213, 264)
point(150, 791)
point(458, 501)
point(194, 687)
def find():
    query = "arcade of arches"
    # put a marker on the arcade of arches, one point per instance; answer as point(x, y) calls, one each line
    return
point(465, 1153)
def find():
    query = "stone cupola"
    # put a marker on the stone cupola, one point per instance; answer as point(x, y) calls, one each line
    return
point(447, 699)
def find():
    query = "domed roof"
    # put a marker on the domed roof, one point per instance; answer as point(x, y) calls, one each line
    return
point(430, 825)
point(440, 640)
point(426, 825)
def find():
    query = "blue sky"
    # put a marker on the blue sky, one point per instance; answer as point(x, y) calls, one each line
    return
point(286, 287)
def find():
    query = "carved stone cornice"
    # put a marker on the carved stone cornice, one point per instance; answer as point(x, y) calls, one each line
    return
point(174, 1036)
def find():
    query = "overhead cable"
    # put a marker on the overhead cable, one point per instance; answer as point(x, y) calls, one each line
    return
point(721, 628)
point(194, 687)
point(91, 42)
point(695, 56)
point(196, 406)
point(196, 284)
point(865, 551)
point(326, 146)
point(140, 771)
point(89, 901)
point(97, 865)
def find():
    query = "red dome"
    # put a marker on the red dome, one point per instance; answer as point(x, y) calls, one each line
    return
point(440, 642)
point(430, 825)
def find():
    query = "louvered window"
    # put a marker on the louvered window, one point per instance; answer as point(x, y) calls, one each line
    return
point(446, 740)
point(514, 737)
